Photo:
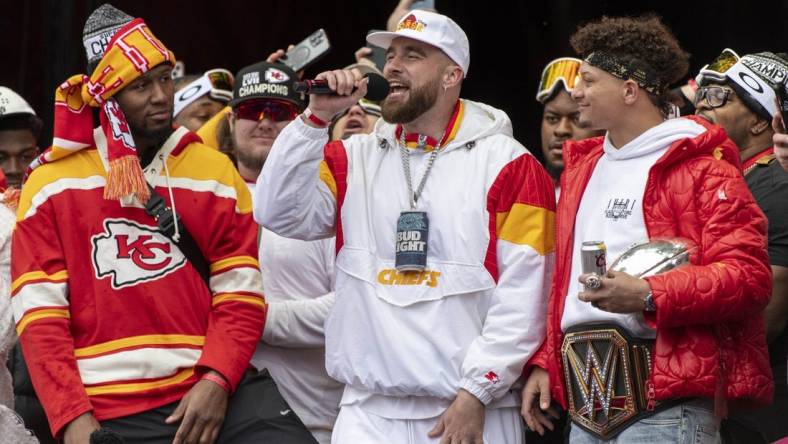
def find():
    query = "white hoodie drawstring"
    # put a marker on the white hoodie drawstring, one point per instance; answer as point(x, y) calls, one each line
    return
point(177, 236)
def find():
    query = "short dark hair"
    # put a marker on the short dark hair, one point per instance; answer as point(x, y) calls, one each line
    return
point(22, 121)
point(636, 41)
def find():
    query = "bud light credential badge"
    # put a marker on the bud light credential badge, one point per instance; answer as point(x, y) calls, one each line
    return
point(411, 245)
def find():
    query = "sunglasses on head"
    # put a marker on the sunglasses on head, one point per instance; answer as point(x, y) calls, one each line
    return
point(565, 69)
point(274, 110)
point(715, 96)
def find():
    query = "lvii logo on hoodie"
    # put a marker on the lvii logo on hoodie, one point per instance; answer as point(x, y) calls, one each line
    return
point(619, 208)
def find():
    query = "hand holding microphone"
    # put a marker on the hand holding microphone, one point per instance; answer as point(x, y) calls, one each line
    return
point(332, 92)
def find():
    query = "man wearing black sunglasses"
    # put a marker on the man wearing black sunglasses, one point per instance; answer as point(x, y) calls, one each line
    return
point(741, 100)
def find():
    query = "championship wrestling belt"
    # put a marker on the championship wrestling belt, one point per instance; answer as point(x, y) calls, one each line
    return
point(607, 371)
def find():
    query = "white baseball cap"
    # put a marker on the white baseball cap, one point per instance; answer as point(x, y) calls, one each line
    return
point(13, 103)
point(431, 28)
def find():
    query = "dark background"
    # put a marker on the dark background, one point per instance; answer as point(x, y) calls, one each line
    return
point(511, 41)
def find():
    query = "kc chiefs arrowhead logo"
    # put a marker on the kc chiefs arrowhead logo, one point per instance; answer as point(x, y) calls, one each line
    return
point(130, 253)
point(118, 124)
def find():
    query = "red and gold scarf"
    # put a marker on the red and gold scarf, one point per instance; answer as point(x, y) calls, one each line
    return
point(132, 52)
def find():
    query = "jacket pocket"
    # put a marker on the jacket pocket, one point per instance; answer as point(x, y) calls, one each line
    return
point(439, 280)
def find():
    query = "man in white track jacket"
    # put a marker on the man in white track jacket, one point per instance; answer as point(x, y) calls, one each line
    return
point(428, 355)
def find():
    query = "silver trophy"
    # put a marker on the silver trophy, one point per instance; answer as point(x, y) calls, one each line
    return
point(653, 257)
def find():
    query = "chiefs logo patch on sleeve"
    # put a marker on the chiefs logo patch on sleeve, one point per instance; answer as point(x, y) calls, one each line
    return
point(130, 253)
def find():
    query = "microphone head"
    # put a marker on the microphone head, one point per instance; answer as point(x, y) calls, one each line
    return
point(377, 88)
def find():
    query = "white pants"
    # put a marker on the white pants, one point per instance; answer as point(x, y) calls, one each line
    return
point(357, 426)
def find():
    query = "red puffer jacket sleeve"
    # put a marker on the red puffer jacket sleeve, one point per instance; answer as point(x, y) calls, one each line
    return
point(730, 278)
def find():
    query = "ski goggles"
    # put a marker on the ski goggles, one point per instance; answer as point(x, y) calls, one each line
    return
point(272, 109)
point(715, 71)
point(218, 83)
point(565, 70)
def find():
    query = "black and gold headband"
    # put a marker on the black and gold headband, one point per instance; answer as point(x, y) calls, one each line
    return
point(646, 79)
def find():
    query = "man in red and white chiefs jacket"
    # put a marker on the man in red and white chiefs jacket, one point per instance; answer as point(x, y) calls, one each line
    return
point(650, 360)
point(121, 326)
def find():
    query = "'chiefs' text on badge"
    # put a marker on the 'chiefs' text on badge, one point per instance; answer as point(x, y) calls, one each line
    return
point(130, 253)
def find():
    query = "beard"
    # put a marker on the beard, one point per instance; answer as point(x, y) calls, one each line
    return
point(420, 100)
point(158, 135)
point(250, 159)
point(247, 154)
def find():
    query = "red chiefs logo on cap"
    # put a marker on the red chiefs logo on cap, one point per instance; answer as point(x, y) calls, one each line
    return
point(412, 23)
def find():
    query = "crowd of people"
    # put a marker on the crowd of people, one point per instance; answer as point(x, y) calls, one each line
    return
point(219, 258)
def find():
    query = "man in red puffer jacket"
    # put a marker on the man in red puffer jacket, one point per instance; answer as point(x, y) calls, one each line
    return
point(654, 359)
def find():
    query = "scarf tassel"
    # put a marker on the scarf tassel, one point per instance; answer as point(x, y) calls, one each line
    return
point(125, 178)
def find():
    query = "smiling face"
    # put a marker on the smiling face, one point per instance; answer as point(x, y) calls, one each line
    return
point(599, 98)
point(147, 103)
point(560, 122)
point(414, 71)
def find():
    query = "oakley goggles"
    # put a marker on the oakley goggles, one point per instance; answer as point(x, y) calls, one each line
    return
point(715, 71)
point(565, 70)
point(218, 83)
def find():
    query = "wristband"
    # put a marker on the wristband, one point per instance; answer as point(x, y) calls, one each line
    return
point(308, 114)
point(218, 380)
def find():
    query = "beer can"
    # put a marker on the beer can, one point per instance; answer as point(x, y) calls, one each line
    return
point(593, 258)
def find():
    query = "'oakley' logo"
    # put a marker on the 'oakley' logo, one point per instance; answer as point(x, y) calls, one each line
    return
point(751, 82)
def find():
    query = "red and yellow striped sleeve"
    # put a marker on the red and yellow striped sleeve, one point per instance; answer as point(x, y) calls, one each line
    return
point(521, 211)
point(521, 204)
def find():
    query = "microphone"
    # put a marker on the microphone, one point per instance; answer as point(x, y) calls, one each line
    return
point(377, 88)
